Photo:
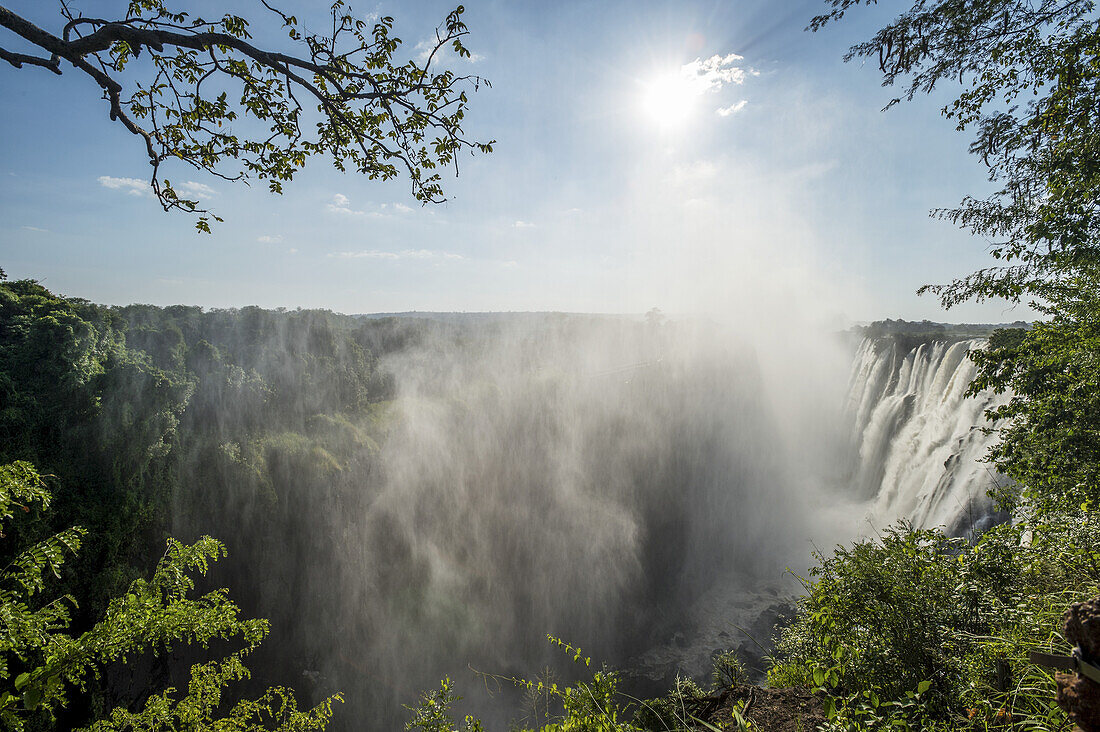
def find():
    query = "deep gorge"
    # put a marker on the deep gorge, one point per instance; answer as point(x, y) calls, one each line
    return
point(408, 497)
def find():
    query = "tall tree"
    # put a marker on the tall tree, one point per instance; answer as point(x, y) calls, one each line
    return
point(206, 96)
point(1028, 80)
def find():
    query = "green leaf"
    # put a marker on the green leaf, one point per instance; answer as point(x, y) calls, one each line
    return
point(32, 698)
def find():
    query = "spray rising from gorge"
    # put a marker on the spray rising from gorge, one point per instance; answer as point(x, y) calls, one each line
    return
point(635, 487)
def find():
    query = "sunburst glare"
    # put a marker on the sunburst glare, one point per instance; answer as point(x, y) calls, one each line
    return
point(669, 99)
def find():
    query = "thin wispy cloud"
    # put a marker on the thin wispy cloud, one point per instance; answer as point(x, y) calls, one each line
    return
point(35, 228)
point(523, 225)
point(732, 109)
point(421, 254)
point(141, 188)
point(341, 204)
point(698, 172)
point(265, 239)
point(129, 186)
point(192, 189)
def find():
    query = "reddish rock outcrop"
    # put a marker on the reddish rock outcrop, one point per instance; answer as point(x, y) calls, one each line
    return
point(1078, 695)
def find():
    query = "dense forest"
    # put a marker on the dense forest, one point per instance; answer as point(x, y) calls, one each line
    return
point(114, 405)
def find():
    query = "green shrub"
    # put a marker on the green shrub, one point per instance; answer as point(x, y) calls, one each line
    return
point(586, 706)
point(44, 666)
point(915, 616)
point(672, 711)
point(727, 670)
point(433, 712)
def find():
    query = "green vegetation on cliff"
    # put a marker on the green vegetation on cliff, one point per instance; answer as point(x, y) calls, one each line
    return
point(114, 405)
point(43, 666)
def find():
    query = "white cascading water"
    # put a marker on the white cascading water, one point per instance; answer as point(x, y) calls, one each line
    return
point(918, 437)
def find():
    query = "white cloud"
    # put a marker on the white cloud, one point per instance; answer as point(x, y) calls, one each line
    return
point(422, 254)
point(341, 204)
point(427, 254)
point(669, 98)
point(35, 228)
point(265, 239)
point(136, 187)
point(732, 109)
point(291, 251)
point(366, 254)
point(130, 186)
point(523, 225)
point(195, 190)
point(715, 72)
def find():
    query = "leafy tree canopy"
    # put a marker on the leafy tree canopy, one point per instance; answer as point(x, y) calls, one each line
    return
point(200, 93)
point(1050, 426)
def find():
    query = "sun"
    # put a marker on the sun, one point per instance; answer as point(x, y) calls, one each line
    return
point(669, 100)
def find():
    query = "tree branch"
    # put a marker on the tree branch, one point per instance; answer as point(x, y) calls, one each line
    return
point(375, 112)
point(53, 63)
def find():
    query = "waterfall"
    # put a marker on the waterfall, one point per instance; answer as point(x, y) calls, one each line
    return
point(917, 441)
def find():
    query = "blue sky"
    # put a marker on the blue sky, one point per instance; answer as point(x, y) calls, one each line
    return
point(801, 196)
